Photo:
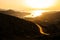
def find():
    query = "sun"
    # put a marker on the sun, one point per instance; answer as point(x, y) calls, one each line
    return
point(35, 13)
point(40, 3)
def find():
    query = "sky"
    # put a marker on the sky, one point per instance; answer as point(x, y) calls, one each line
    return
point(19, 5)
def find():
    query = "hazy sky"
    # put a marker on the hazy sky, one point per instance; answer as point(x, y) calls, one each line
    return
point(20, 6)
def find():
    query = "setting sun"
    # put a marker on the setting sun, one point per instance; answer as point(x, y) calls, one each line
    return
point(40, 3)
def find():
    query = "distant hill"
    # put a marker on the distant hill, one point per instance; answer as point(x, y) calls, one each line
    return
point(14, 13)
point(50, 17)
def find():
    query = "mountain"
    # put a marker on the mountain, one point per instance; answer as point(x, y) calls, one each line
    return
point(14, 28)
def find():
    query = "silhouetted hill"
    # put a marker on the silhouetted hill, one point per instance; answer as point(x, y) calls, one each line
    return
point(13, 28)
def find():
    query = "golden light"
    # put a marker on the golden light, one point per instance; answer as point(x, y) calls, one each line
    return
point(35, 13)
point(41, 30)
point(40, 3)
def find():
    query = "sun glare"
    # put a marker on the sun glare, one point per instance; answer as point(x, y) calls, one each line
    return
point(35, 13)
point(40, 3)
